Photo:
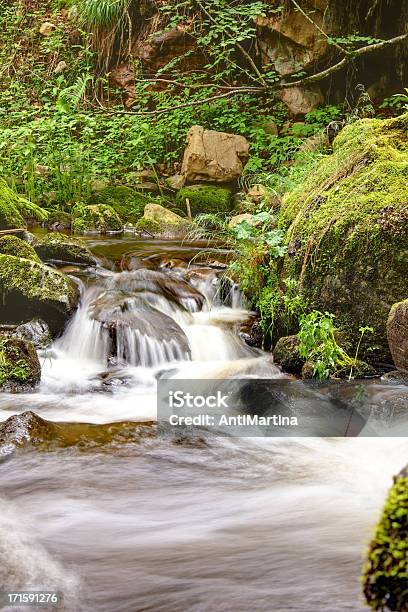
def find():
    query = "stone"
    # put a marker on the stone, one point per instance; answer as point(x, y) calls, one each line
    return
point(159, 220)
point(215, 157)
point(30, 289)
point(100, 218)
point(47, 28)
point(60, 67)
point(300, 101)
point(36, 331)
point(205, 199)
point(11, 245)
point(286, 354)
point(175, 182)
point(237, 219)
point(20, 368)
point(57, 247)
point(397, 334)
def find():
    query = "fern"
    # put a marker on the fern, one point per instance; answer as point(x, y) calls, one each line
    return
point(70, 97)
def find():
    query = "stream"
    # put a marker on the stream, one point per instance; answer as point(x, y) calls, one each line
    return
point(125, 522)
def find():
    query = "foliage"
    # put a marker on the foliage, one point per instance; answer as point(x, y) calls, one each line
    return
point(317, 344)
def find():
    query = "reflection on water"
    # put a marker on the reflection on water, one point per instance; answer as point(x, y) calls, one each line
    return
point(161, 525)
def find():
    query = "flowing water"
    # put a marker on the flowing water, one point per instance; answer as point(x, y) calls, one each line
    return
point(123, 524)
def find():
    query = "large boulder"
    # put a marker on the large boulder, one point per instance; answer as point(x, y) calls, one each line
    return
point(205, 199)
point(397, 332)
point(286, 354)
point(159, 220)
point(11, 245)
point(346, 229)
point(99, 218)
point(30, 289)
point(20, 368)
point(212, 156)
point(60, 247)
point(385, 573)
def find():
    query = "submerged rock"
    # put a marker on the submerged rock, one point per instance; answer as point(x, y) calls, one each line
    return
point(30, 289)
point(28, 428)
point(99, 218)
point(212, 156)
point(205, 199)
point(60, 247)
point(346, 230)
point(386, 570)
point(20, 368)
point(397, 333)
point(11, 245)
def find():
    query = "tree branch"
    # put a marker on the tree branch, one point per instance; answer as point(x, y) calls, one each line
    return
point(306, 16)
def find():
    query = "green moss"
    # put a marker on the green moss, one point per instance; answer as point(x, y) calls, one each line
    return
point(148, 225)
point(346, 229)
point(386, 571)
point(95, 218)
point(11, 245)
point(19, 365)
point(127, 202)
point(60, 247)
point(29, 289)
point(205, 199)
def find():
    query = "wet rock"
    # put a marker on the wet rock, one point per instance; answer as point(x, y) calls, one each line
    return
point(60, 247)
point(159, 220)
point(397, 333)
point(141, 335)
point(30, 289)
point(36, 331)
point(28, 428)
point(204, 199)
point(385, 571)
point(286, 354)
point(398, 377)
point(160, 284)
point(20, 368)
point(212, 156)
point(99, 218)
point(308, 370)
point(252, 334)
point(11, 245)
point(358, 369)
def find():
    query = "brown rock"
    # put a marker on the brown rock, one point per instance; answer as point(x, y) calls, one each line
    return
point(301, 101)
point(397, 333)
point(213, 156)
point(47, 28)
point(234, 221)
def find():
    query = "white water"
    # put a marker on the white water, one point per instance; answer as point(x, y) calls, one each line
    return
point(243, 525)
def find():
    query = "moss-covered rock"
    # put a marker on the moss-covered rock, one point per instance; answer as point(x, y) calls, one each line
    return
point(60, 247)
point(11, 245)
point(29, 289)
point(397, 333)
point(100, 218)
point(386, 570)
point(127, 202)
point(286, 354)
point(19, 365)
point(160, 220)
point(205, 199)
point(347, 229)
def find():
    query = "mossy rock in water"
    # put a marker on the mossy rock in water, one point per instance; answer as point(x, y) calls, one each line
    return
point(100, 218)
point(20, 368)
point(347, 230)
point(385, 574)
point(127, 202)
point(30, 289)
point(205, 199)
point(160, 220)
point(11, 245)
point(60, 247)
